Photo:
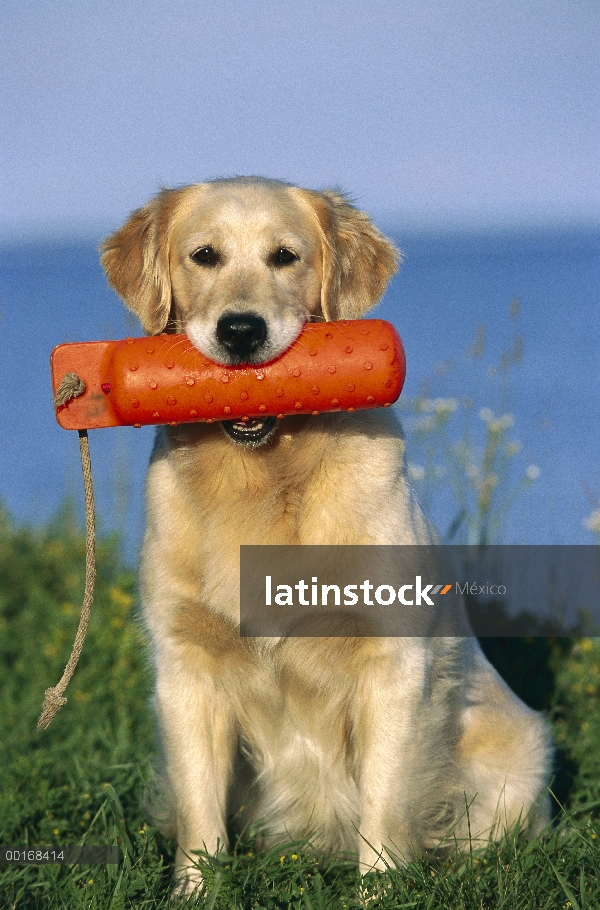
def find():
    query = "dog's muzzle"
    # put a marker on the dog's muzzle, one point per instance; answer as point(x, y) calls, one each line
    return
point(243, 335)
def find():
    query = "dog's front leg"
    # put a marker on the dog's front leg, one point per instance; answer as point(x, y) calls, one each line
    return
point(391, 703)
point(199, 739)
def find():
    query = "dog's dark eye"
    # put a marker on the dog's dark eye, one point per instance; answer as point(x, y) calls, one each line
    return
point(283, 256)
point(205, 256)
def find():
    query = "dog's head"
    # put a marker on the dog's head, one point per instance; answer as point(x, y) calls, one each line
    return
point(241, 264)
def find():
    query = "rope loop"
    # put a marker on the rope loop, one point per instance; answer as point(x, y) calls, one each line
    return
point(72, 387)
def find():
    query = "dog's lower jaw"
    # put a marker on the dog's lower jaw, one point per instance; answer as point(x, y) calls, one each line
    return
point(251, 433)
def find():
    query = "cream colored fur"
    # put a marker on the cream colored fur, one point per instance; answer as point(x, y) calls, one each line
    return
point(371, 747)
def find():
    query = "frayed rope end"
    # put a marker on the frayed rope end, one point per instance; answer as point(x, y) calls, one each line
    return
point(53, 702)
point(71, 387)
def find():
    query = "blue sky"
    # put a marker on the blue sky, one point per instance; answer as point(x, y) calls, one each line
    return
point(431, 113)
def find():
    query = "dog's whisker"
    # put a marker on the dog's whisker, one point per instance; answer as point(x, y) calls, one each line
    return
point(300, 344)
point(180, 355)
point(338, 327)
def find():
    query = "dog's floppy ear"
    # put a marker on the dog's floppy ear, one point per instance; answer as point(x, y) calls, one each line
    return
point(358, 261)
point(136, 262)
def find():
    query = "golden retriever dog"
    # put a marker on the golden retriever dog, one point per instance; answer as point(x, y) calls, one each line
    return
point(371, 747)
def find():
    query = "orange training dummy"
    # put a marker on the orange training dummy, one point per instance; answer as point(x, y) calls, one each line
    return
point(332, 366)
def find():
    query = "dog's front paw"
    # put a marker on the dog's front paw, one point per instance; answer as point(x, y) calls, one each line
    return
point(189, 883)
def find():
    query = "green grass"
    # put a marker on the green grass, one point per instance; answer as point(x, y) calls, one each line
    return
point(83, 779)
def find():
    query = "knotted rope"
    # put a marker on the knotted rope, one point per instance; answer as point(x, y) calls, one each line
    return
point(72, 387)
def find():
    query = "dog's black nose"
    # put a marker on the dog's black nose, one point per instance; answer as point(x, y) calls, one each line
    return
point(241, 333)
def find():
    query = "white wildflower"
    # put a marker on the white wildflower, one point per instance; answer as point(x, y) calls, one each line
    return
point(503, 423)
point(424, 424)
point(444, 406)
point(592, 522)
point(532, 472)
point(423, 404)
point(416, 471)
point(496, 424)
point(506, 421)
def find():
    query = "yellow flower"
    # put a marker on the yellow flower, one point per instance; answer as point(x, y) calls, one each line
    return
point(294, 856)
point(282, 859)
point(55, 549)
point(120, 597)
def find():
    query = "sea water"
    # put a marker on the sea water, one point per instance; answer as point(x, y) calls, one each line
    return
point(447, 287)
